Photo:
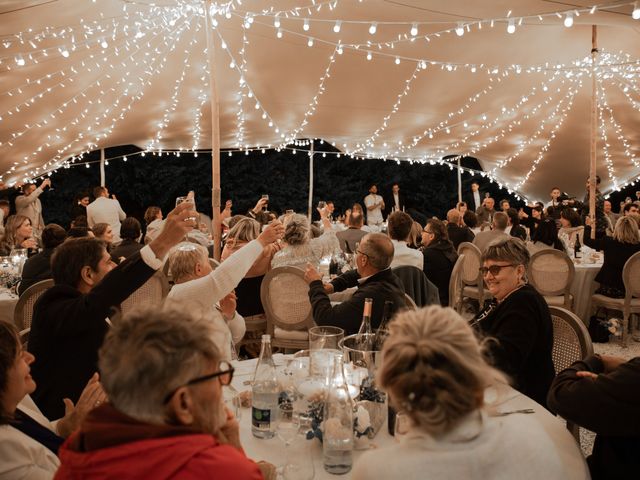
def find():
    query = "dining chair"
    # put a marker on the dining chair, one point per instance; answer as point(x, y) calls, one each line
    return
point(631, 302)
point(24, 338)
point(472, 281)
point(455, 284)
point(151, 293)
point(551, 273)
point(285, 298)
point(23, 314)
point(571, 342)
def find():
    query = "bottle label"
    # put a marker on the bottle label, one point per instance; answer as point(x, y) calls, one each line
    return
point(261, 419)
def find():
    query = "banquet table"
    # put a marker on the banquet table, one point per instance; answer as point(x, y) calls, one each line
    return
point(8, 303)
point(583, 287)
point(273, 451)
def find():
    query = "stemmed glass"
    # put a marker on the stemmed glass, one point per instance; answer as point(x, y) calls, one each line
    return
point(180, 200)
point(288, 428)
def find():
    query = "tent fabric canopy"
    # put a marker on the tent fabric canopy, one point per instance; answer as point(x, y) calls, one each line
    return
point(76, 76)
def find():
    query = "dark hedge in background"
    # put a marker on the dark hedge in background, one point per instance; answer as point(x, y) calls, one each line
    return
point(153, 180)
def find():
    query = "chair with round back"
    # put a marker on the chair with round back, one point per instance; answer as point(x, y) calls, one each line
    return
point(551, 273)
point(24, 338)
point(455, 284)
point(571, 343)
point(472, 281)
point(23, 313)
point(285, 298)
point(631, 302)
point(151, 293)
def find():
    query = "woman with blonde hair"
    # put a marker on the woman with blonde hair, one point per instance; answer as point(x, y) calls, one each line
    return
point(434, 372)
point(18, 234)
point(617, 250)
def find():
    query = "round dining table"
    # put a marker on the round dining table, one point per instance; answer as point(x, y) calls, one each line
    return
point(583, 287)
point(8, 302)
point(508, 400)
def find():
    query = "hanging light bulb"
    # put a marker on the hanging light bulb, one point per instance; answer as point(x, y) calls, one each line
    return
point(460, 29)
point(369, 56)
point(397, 60)
point(104, 43)
point(340, 50)
point(636, 12)
point(373, 28)
point(279, 33)
point(414, 30)
point(310, 42)
point(511, 27)
point(276, 22)
point(305, 25)
point(337, 26)
point(568, 20)
point(20, 61)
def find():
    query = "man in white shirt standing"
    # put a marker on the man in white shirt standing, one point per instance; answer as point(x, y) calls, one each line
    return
point(374, 204)
point(105, 210)
point(398, 228)
point(28, 204)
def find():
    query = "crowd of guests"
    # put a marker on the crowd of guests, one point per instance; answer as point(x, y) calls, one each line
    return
point(154, 395)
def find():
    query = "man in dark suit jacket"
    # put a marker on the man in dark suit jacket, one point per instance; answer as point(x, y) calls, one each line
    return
point(601, 394)
point(456, 232)
point(69, 319)
point(475, 197)
point(352, 236)
point(38, 267)
point(374, 280)
point(395, 201)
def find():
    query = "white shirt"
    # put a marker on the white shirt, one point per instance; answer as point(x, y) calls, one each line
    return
point(106, 210)
point(403, 255)
point(476, 199)
point(374, 217)
point(396, 202)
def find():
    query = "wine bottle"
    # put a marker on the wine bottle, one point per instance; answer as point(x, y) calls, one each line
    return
point(577, 248)
point(383, 329)
point(364, 333)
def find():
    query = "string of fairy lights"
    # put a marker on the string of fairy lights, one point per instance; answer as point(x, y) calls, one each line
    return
point(126, 41)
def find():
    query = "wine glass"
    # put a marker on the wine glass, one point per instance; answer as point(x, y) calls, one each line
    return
point(288, 428)
point(180, 200)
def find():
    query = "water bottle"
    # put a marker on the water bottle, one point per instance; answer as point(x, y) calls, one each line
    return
point(337, 434)
point(264, 403)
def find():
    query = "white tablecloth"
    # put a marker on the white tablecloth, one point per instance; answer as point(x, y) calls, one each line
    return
point(272, 450)
point(583, 287)
point(8, 303)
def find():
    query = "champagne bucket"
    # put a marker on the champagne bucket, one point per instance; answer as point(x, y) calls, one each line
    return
point(362, 351)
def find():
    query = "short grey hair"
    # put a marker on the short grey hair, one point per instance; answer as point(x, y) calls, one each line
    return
point(379, 249)
point(296, 230)
point(512, 250)
point(183, 258)
point(148, 353)
point(500, 220)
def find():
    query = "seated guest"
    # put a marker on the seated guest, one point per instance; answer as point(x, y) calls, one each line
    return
point(69, 318)
point(514, 228)
point(470, 219)
point(166, 416)
point(18, 234)
point(629, 208)
point(153, 222)
point(617, 250)
point(399, 226)
point(38, 267)
point(571, 227)
point(415, 237)
point(610, 216)
point(243, 232)
point(435, 373)
point(352, 236)
point(517, 320)
point(439, 257)
point(374, 280)
point(299, 248)
point(483, 239)
point(600, 393)
point(80, 232)
point(462, 208)
point(532, 219)
point(504, 205)
point(545, 237)
point(457, 231)
point(29, 442)
point(5, 208)
point(130, 232)
point(104, 232)
point(486, 211)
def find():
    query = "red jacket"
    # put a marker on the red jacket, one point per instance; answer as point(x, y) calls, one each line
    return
point(161, 452)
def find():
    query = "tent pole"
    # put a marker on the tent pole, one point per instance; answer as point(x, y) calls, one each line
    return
point(215, 136)
point(310, 207)
point(459, 181)
point(102, 175)
point(594, 131)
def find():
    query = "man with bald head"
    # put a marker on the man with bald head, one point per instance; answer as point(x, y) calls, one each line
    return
point(374, 280)
point(486, 211)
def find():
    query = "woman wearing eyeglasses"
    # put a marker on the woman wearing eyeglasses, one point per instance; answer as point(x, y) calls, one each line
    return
point(517, 321)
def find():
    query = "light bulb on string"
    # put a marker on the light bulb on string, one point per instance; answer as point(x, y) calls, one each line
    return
point(511, 26)
point(397, 60)
point(568, 20)
point(310, 42)
point(369, 56)
point(636, 12)
point(414, 30)
point(305, 25)
point(373, 28)
point(279, 33)
point(460, 29)
point(276, 22)
point(337, 26)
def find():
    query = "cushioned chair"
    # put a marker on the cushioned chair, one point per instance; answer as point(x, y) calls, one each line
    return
point(417, 285)
point(551, 273)
point(24, 338)
point(472, 281)
point(631, 302)
point(571, 342)
point(285, 298)
point(23, 313)
point(151, 293)
point(455, 284)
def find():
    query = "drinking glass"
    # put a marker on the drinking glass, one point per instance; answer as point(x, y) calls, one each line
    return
point(231, 398)
point(403, 422)
point(323, 347)
point(292, 426)
point(180, 200)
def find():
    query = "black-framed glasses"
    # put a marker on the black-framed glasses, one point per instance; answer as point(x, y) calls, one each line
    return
point(495, 269)
point(361, 252)
point(224, 376)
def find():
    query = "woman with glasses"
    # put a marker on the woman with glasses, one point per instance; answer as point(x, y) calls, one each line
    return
point(517, 320)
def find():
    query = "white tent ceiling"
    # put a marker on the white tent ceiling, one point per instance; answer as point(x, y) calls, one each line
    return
point(76, 75)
